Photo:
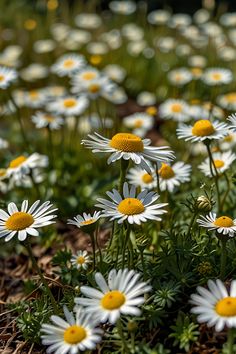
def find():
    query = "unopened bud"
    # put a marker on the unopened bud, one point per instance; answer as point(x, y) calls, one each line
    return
point(203, 203)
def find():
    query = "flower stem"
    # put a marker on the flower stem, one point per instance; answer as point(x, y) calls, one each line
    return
point(125, 243)
point(223, 257)
point(94, 249)
point(214, 175)
point(191, 224)
point(35, 265)
point(230, 341)
point(123, 168)
point(122, 337)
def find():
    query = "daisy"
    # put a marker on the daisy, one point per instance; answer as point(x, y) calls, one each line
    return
point(115, 72)
point(172, 176)
point(232, 122)
point(88, 20)
point(129, 147)
point(228, 142)
point(146, 98)
point(140, 178)
point(217, 76)
point(175, 109)
point(179, 77)
point(22, 165)
point(34, 72)
point(223, 224)
point(85, 220)
point(80, 260)
point(35, 98)
point(68, 64)
point(227, 101)
point(7, 76)
point(42, 120)
point(123, 7)
point(158, 17)
point(216, 306)
point(121, 295)
point(25, 221)
point(132, 208)
point(203, 129)
point(222, 162)
point(68, 105)
point(140, 123)
point(77, 333)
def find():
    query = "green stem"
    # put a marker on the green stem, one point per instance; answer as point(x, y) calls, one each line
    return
point(158, 180)
point(122, 337)
point(214, 175)
point(35, 265)
point(223, 257)
point(98, 247)
point(230, 341)
point(141, 249)
point(227, 191)
point(50, 146)
point(94, 249)
point(125, 242)
point(191, 224)
point(123, 168)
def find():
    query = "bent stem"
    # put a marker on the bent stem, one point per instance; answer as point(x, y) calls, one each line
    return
point(35, 265)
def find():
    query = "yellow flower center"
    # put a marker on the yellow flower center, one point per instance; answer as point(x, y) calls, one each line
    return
point(228, 138)
point(2, 77)
point(226, 307)
point(94, 88)
point(95, 59)
point(203, 128)
point(3, 172)
point(176, 108)
point(224, 221)
point(74, 334)
point(69, 102)
point(151, 110)
point(216, 76)
point(196, 71)
point(113, 300)
point(52, 5)
point(146, 178)
point(89, 76)
point(166, 172)
point(17, 162)
point(49, 118)
point(33, 94)
point(69, 63)
point(127, 142)
point(88, 222)
point(131, 206)
point(19, 221)
point(138, 123)
point(30, 24)
point(80, 260)
point(218, 163)
point(231, 97)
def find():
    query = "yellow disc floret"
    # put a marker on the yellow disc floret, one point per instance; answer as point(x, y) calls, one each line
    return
point(2, 77)
point(138, 123)
point(89, 75)
point(68, 63)
point(17, 162)
point(176, 108)
point(19, 221)
point(219, 163)
point(80, 260)
point(95, 88)
point(131, 206)
point(231, 97)
point(146, 178)
point(224, 221)
point(226, 307)
point(127, 142)
point(113, 300)
point(74, 334)
point(166, 172)
point(69, 102)
point(203, 127)
point(88, 222)
point(216, 76)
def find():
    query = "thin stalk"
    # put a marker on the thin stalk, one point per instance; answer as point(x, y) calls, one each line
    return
point(230, 341)
point(50, 146)
point(35, 185)
point(123, 168)
point(122, 337)
point(214, 175)
point(227, 191)
point(94, 249)
point(191, 224)
point(126, 239)
point(141, 249)
point(158, 180)
point(35, 265)
point(98, 247)
point(223, 257)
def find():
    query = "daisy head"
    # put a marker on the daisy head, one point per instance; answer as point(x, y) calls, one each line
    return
point(42, 120)
point(140, 123)
point(122, 294)
point(7, 76)
point(223, 225)
point(25, 221)
point(201, 130)
point(135, 209)
point(140, 178)
point(232, 122)
point(216, 305)
point(68, 64)
point(81, 260)
point(227, 101)
point(222, 162)
point(180, 77)
point(87, 222)
point(217, 76)
point(175, 109)
point(68, 105)
point(77, 333)
point(129, 147)
point(172, 176)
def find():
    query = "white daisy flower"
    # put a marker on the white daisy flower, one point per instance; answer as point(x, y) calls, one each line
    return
point(134, 209)
point(179, 77)
point(123, 7)
point(42, 120)
point(140, 123)
point(115, 72)
point(222, 162)
point(80, 260)
point(140, 178)
point(158, 17)
point(172, 176)
point(216, 306)
point(77, 333)
point(217, 76)
point(146, 98)
point(26, 221)
point(175, 109)
point(228, 142)
point(227, 101)
point(22, 165)
point(34, 72)
point(68, 105)
point(129, 147)
point(223, 224)
point(203, 129)
point(88, 20)
point(7, 76)
point(35, 98)
point(68, 64)
point(85, 220)
point(232, 122)
point(121, 295)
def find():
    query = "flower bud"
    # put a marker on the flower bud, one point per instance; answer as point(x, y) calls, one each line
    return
point(203, 203)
